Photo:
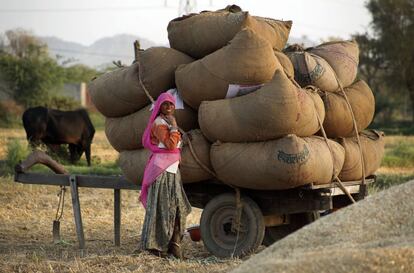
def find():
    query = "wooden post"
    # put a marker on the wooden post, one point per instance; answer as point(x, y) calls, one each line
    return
point(137, 49)
point(117, 216)
point(77, 211)
point(363, 192)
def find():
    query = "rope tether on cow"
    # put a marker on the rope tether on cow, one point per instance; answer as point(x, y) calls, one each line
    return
point(239, 205)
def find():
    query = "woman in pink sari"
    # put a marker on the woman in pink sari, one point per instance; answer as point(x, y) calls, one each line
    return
point(162, 193)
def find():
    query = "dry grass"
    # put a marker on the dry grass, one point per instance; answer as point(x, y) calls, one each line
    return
point(27, 212)
point(26, 215)
point(393, 140)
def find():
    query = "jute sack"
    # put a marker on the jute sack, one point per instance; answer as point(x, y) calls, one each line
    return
point(275, 110)
point(201, 34)
point(338, 117)
point(276, 32)
point(372, 143)
point(133, 162)
point(310, 69)
point(119, 92)
point(125, 133)
point(343, 56)
point(278, 164)
point(191, 171)
point(247, 60)
point(286, 63)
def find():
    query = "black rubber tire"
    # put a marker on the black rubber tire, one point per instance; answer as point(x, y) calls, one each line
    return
point(297, 221)
point(215, 226)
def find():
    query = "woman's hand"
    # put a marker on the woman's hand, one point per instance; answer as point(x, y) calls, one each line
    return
point(171, 120)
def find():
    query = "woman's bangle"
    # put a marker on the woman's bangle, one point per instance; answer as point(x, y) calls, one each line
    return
point(174, 129)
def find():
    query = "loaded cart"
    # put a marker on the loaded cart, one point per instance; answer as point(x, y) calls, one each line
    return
point(233, 223)
point(266, 216)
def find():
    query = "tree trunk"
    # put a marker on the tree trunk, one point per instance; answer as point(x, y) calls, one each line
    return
point(411, 92)
point(410, 88)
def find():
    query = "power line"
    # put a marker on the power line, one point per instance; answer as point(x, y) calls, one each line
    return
point(84, 9)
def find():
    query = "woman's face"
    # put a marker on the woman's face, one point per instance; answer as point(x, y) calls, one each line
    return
point(167, 108)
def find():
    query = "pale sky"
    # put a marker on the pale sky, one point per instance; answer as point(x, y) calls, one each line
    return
point(85, 21)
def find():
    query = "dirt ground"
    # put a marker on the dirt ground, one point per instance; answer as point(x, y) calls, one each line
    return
point(26, 245)
point(27, 212)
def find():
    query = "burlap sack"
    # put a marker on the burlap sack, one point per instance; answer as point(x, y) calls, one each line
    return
point(286, 63)
point(310, 69)
point(191, 171)
point(278, 164)
point(338, 118)
point(119, 92)
point(276, 32)
point(133, 162)
point(275, 110)
point(247, 60)
point(201, 34)
point(125, 133)
point(372, 143)
point(343, 57)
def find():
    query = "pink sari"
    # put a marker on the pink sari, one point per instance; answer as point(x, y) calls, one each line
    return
point(152, 170)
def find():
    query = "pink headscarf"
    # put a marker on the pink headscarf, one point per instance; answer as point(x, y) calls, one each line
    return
point(152, 171)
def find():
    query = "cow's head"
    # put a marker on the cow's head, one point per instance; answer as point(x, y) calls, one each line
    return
point(35, 123)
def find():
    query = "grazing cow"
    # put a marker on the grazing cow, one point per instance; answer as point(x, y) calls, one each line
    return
point(55, 127)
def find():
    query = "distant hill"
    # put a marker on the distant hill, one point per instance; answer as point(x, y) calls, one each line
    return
point(100, 53)
point(118, 47)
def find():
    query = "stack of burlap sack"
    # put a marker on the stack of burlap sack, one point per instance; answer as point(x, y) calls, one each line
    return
point(261, 107)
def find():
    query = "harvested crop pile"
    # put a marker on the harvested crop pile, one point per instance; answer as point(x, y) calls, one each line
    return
point(284, 163)
point(201, 34)
point(120, 92)
point(338, 119)
point(125, 133)
point(372, 143)
point(275, 110)
point(373, 235)
point(343, 57)
point(247, 60)
point(133, 162)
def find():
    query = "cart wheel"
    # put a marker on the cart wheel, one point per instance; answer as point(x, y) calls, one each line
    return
point(216, 226)
point(297, 221)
